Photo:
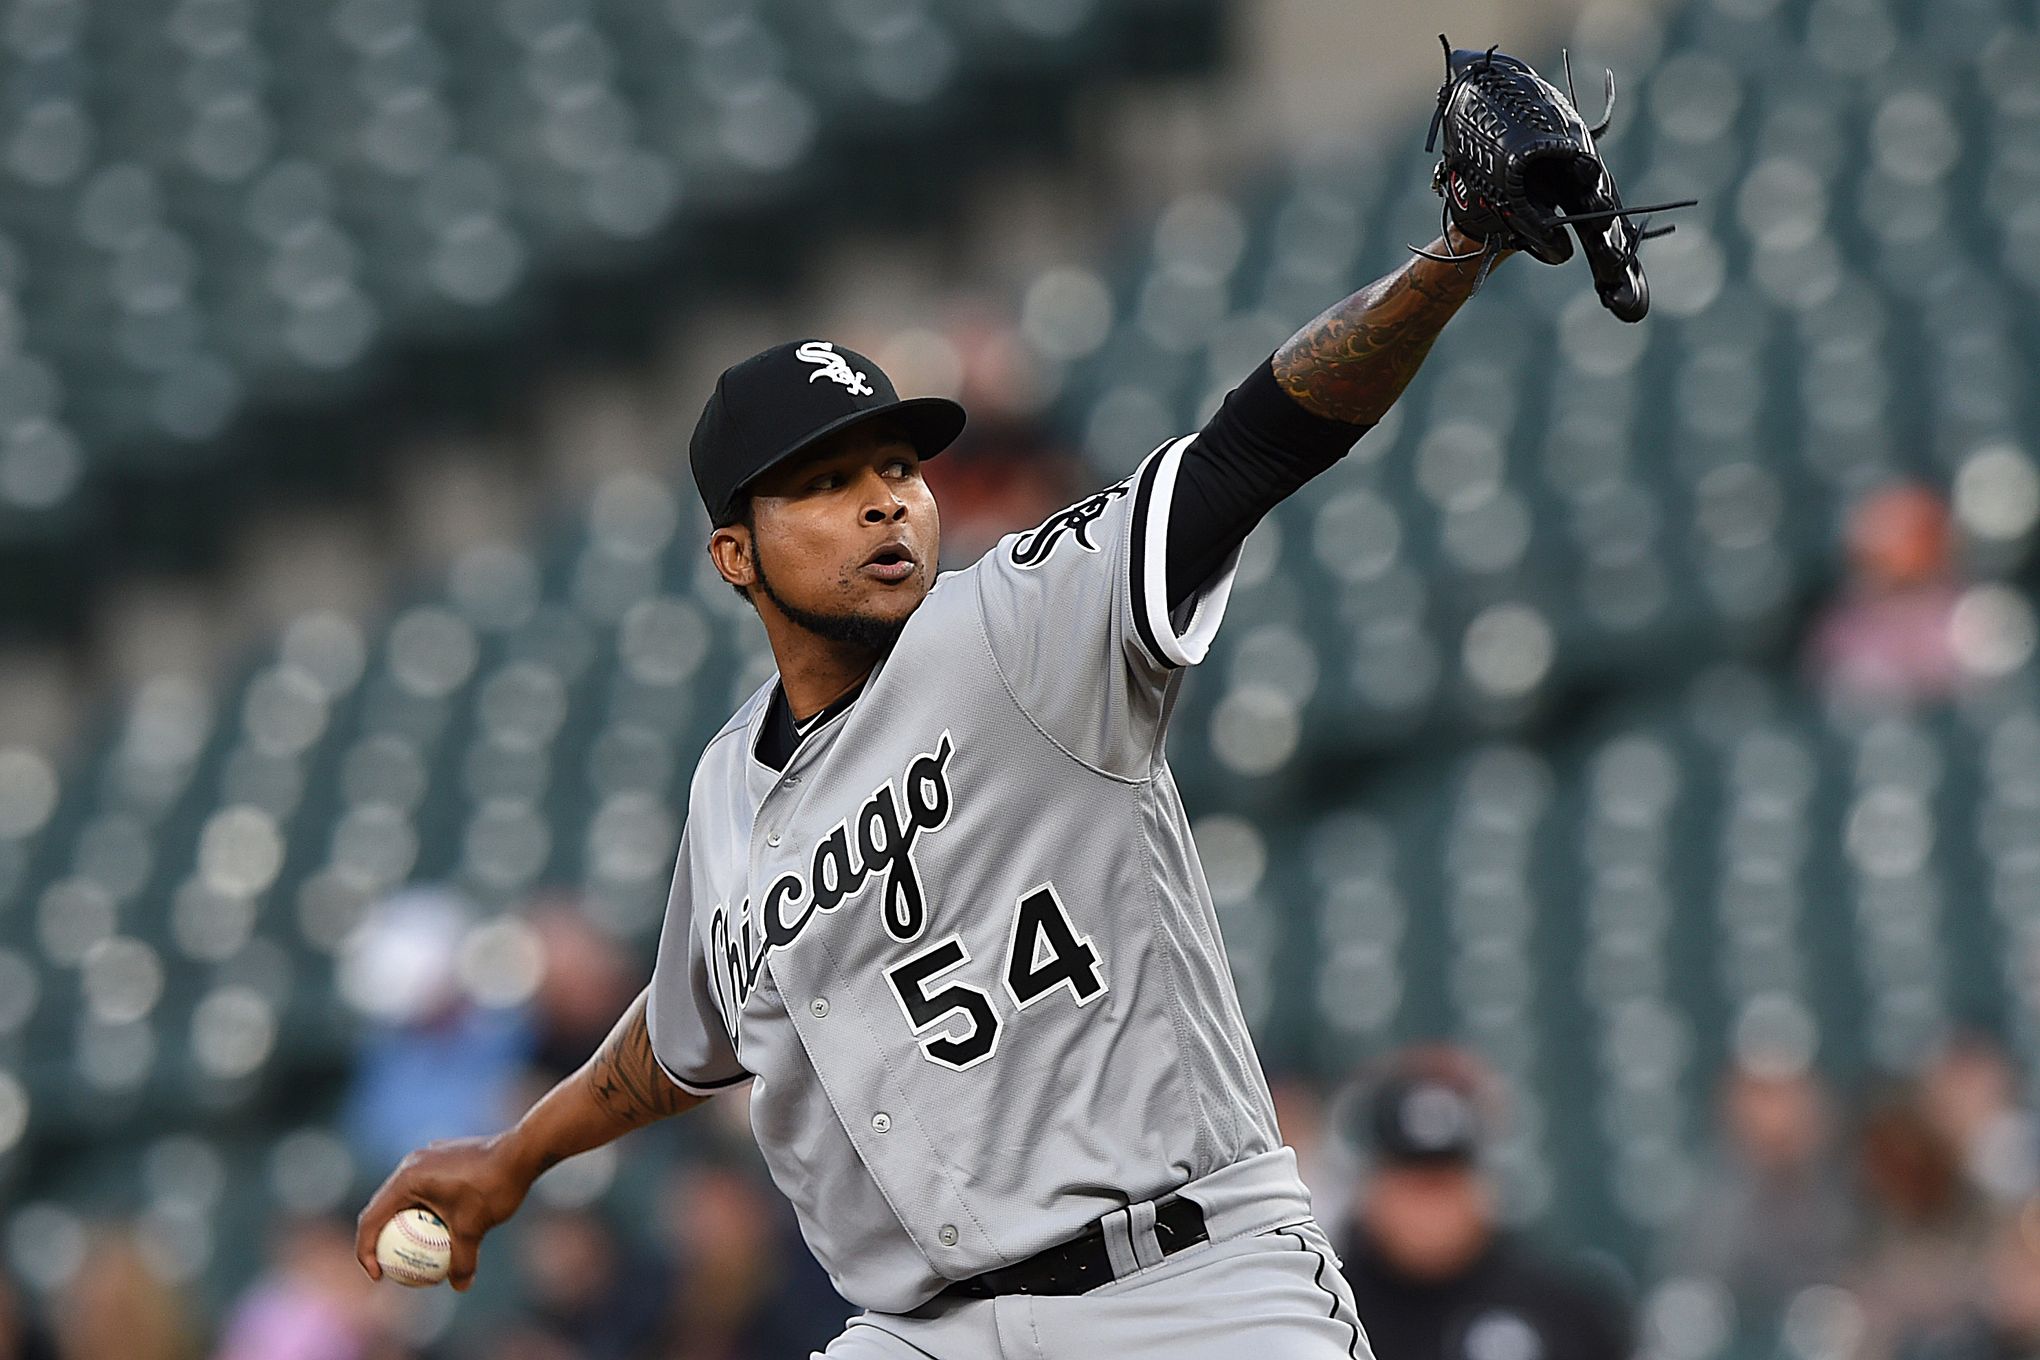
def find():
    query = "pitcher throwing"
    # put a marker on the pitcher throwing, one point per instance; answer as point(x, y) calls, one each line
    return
point(937, 898)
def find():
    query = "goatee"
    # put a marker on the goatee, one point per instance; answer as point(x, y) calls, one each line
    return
point(853, 630)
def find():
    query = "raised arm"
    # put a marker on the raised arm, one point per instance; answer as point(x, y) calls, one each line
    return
point(476, 1183)
point(1340, 374)
point(1355, 359)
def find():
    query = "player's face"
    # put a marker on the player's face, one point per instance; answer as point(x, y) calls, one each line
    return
point(844, 543)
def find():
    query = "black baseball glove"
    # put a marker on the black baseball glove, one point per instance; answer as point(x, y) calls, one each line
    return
point(1519, 167)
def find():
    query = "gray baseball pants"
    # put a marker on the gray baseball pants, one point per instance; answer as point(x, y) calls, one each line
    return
point(1272, 1293)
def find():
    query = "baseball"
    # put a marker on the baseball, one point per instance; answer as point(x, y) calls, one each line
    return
point(415, 1248)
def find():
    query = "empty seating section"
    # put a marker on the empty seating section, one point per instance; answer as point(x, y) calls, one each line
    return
point(1561, 497)
point(1607, 917)
point(208, 204)
point(168, 942)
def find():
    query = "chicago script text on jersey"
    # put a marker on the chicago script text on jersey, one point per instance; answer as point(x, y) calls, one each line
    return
point(878, 839)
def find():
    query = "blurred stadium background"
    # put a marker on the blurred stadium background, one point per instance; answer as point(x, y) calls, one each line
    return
point(1650, 711)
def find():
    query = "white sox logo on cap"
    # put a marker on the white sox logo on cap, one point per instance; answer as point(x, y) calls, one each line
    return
point(832, 366)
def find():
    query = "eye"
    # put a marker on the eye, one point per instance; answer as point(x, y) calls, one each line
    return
point(903, 466)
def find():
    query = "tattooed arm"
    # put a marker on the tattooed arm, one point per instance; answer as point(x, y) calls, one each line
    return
point(1354, 361)
point(1299, 413)
point(619, 1089)
point(476, 1183)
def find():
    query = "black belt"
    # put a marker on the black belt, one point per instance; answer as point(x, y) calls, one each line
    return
point(1082, 1264)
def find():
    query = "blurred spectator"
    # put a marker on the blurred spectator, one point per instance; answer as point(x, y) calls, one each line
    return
point(1923, 1250)
point(1772, 1214)
point(1888, 637)
point(312, 1304)
point(116, 1307)
point(19, 1339)
point(587, 982)
point(1434, 1275)
point(2004, 1322)
point(747, 1287)
point(588, 1291)
point(434, 1064)
point(1970, 1090)
point(1005, 479)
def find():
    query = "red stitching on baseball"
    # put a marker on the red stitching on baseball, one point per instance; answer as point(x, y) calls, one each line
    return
point(433, 1244)
point(410, 1230)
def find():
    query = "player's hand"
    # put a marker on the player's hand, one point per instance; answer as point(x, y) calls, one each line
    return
point(471, 1183)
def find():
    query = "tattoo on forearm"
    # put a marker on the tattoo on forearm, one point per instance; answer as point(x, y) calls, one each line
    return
point(627, 1080)
point(1354, 361)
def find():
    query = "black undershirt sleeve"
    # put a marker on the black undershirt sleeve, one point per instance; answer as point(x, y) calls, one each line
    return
point(1259, 447)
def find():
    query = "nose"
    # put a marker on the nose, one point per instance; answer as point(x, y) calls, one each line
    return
point(882, 503)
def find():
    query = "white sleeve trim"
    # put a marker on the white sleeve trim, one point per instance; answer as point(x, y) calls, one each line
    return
point(703, 1091)
point(692, 1088)
point(1189, 646)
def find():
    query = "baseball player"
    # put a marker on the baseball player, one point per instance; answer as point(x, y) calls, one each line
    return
point(936, 899)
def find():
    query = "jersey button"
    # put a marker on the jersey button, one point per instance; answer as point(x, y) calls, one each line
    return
point(818, 1008)
point(772, 839)
point(880, 1122)
point(947, 1234)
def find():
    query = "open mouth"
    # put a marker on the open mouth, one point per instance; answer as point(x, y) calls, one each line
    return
point(892, 562)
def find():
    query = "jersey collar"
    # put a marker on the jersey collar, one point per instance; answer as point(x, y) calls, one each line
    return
point(781, 734)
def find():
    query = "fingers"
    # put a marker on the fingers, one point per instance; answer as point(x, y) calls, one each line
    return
point(467, 1249)
point(403, 1188)
point(378, 1212)
point(454, 1181)
point(462, 1230)
point(401, 1192)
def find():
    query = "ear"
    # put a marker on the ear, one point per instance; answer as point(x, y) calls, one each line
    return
point(730, 549)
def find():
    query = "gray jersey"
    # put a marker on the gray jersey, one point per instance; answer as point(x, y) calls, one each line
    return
point(963, 942)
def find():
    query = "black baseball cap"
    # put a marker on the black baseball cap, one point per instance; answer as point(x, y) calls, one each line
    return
point(1423, 1120)
point(778, 404)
